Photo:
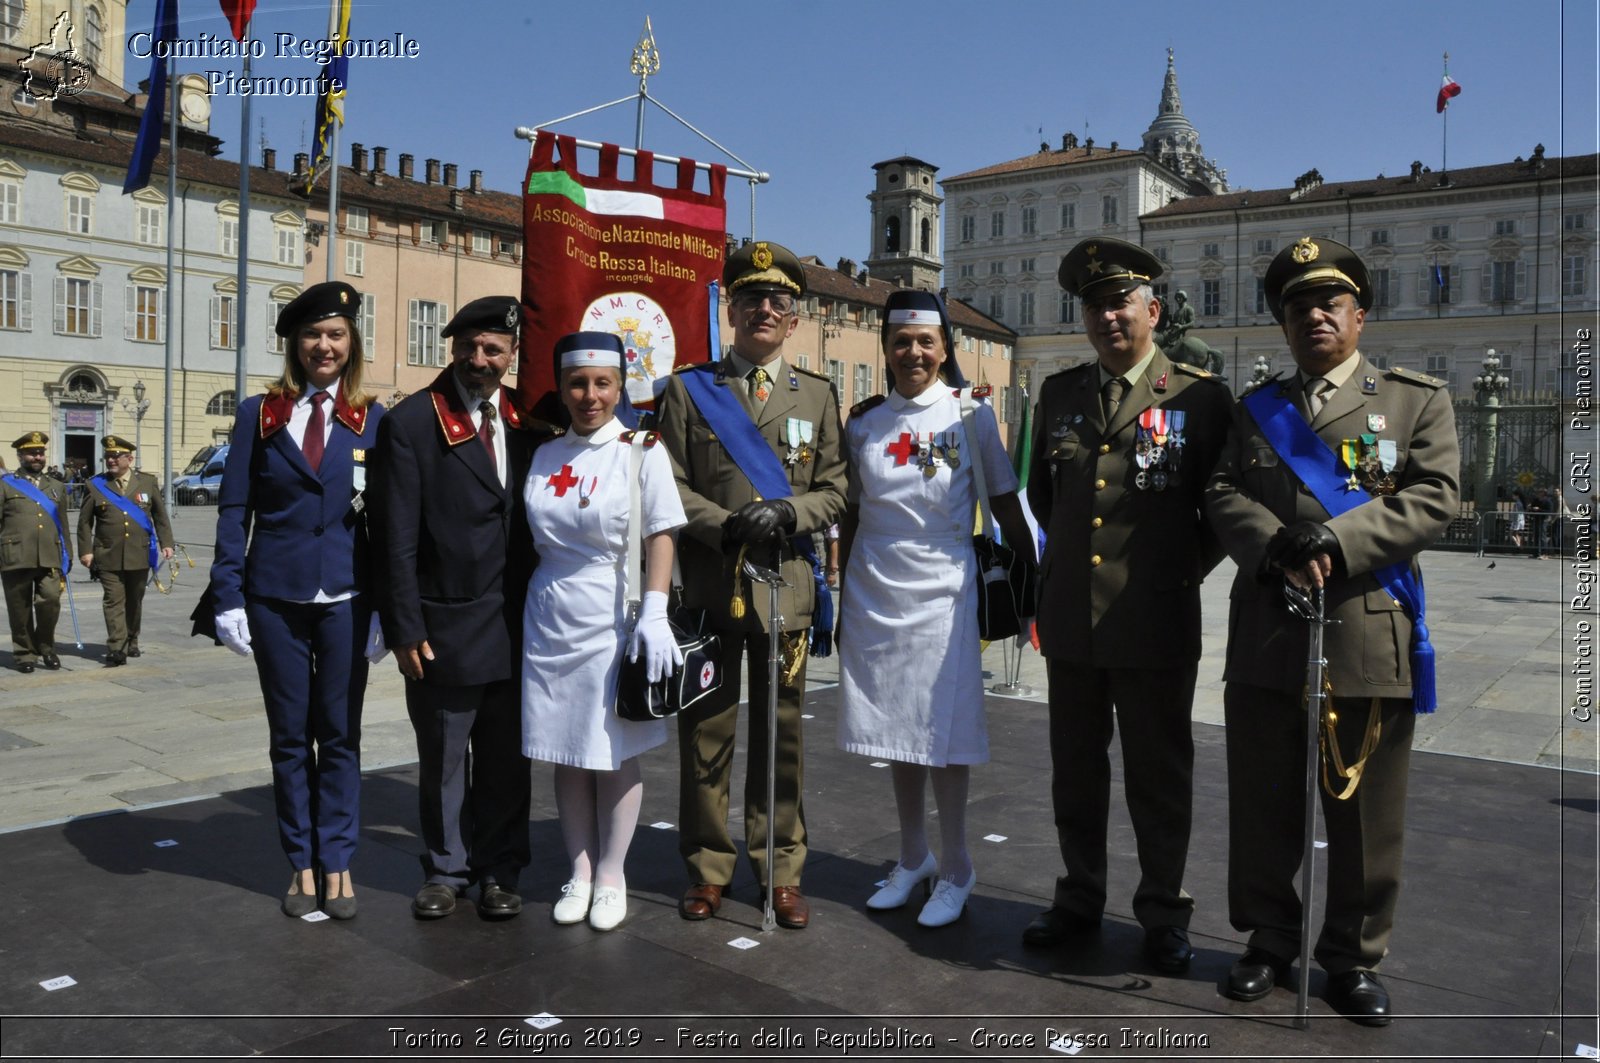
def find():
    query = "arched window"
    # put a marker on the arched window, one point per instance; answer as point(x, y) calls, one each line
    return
point(93, 37)
point(891, 234)
point(83, 382)
point(927, 236)
point(222, 404)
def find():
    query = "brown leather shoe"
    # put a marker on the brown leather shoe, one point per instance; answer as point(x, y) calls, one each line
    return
point(700, 901)
point(789, 908)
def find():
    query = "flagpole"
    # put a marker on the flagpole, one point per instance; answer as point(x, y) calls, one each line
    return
point(1444, 162)
point(172, 280)
point(241, 297)
point(333, 158)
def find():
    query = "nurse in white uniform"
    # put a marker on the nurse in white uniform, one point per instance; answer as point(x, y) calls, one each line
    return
point(911, 675)
point(576, 627)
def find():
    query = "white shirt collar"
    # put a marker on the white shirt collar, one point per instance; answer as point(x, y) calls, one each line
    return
point(312, 389)
point(604, 434)
point(935, 392)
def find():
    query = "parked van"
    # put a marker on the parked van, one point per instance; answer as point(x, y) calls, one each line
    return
point(201, 481)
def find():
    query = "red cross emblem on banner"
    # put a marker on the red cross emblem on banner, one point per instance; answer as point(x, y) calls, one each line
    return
point(563, 480)
point(902, 450)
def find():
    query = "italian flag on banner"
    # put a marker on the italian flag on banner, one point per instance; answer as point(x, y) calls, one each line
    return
point(606, 253)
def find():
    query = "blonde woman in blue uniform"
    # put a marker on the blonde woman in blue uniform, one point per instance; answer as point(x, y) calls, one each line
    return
point(910, 576)
point(577, 496)
point(293, 598)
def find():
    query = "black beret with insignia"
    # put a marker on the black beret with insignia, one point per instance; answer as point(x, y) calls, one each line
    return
point(492, 313)
point(1104, 265)
point(764, 264)
point(1315, 262)
point(325, 300)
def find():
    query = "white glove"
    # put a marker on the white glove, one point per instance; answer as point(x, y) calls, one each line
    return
point(376, 649)
point(233, 628)
point(652, 636)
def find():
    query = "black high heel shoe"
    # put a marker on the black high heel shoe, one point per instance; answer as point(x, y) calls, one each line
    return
point(343, 906)
point(297, 902)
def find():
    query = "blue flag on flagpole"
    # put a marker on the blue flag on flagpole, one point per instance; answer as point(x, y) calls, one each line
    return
point(330, 101)
point(148, 142)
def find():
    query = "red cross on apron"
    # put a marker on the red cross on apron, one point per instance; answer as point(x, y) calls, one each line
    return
point(563, 480)
point(902, 450)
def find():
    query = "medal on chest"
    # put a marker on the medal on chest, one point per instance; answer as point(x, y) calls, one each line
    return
point(1158, 448)
point(799, 434)
point(564, 481)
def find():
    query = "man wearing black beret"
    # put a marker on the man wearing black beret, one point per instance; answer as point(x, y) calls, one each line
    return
point(796, 415)
point(455, 560)
point(1333, 478)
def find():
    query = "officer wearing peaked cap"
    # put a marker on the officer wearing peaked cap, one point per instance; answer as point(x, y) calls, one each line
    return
point(1336, 477)
point(1122, 448)
point(124, 533)
point(34, 553)
point(454, 574)
point(702, 415)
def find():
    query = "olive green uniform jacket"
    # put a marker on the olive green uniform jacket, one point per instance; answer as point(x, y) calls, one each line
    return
point(117, 543)
point(1253, 494)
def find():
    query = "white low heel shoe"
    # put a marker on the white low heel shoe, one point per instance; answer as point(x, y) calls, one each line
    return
point(948, 902)
point(609, 908)
point(896, 889)
point(573, 907)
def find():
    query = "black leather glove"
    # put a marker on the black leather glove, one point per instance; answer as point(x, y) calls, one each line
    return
point(1297, 544)
point(759, 522)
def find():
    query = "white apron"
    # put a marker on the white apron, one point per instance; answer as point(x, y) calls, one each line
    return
point(910, 670)
point(574, 629)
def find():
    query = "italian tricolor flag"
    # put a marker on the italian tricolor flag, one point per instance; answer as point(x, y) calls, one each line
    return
point(612, 202)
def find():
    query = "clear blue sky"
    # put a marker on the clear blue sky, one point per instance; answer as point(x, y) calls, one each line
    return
point(816, 93)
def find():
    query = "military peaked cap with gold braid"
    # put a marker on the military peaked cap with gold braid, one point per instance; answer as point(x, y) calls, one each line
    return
point(1315, 262)
point(1104, 265)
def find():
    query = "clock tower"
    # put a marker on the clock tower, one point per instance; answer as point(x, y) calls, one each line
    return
point(905, 224)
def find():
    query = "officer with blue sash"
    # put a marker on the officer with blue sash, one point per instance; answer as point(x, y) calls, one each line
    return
point(755, 447)
point(35, 554)
point(1334, 477)
point(123, 531)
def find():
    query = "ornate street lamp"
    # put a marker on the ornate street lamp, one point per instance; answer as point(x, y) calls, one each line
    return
point(1488, 386)
point(138, 407)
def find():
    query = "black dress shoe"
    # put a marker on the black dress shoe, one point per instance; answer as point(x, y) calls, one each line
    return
point(497, 902)
point(116, 657)
point(133, 651)
point(1056, 926)
point(24, 667)
point(1254, 974)
point(1360, 997)
point(50, 661)
point(1167, 948)
point(434, 901)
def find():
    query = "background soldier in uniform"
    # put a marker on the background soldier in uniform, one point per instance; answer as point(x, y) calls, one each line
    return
point(1122, 450)
point(1391, 434)
point(33, 554)
point(112, 538)
point(797, 416)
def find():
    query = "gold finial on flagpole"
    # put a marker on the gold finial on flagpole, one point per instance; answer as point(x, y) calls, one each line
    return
point(646, 57)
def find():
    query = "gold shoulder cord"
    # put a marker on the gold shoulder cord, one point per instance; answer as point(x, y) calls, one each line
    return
point(155, 574)
point(1328, 741)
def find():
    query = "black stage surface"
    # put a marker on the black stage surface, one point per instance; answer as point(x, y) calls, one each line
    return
point(179, 950)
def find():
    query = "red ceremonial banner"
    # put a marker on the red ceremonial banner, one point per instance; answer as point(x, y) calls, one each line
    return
point(620, 255)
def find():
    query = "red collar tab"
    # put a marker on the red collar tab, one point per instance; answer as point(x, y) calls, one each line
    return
point(1161, 383)
point(354, 418)
point(275, 412)
point(454, 421)
point(982, 391)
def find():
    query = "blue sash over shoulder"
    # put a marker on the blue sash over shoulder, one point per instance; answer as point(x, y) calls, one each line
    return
point(46, 503)
point(131, 510)
point(1317, 466)
point(754, 457)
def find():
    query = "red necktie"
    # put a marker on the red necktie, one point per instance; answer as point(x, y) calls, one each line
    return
point(486, 431)
point(311, 446)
